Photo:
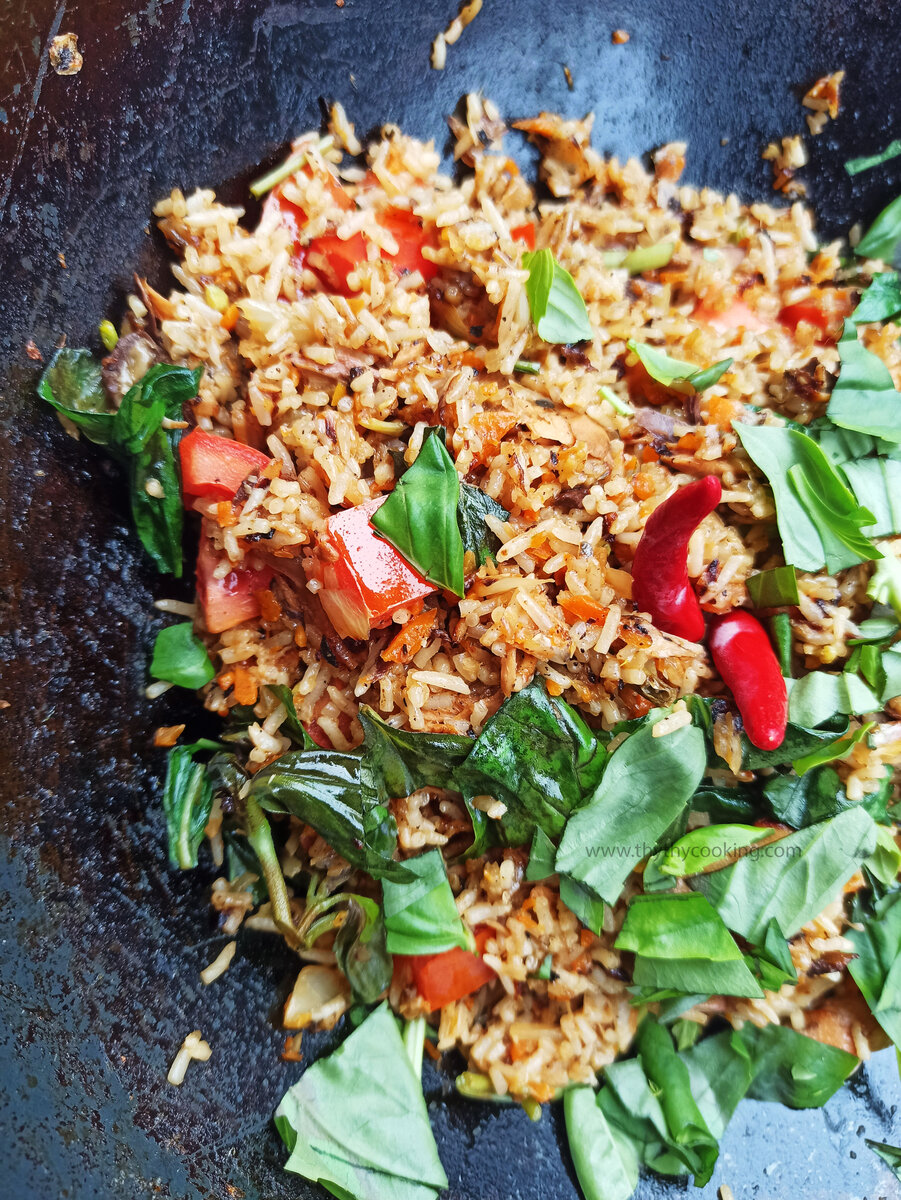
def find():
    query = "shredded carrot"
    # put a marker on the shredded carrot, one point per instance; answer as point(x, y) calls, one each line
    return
point(553, 688)
point(689, 442)
point(582, 608)
point(226, 515)
point(229, 318)
point(581, 964)
point(270, 609)
point(491, 426)
point(637, 704)
point(649, 454)
point(431, 1050)
point(470, 359)
point(543, 1092)
point(521, 1049)
point(168, 735)
point(339, 393)
point(226, 679)
point(300, 637)
point(246, 689)
point(644, 486)
point(272, 471)
point(411, 638)
point(721, 412)
point(356, 304)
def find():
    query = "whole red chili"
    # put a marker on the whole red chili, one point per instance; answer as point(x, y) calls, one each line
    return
point(744, 657)
point(660, 583)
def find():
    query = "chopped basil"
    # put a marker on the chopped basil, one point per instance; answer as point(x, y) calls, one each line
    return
point(605, 1160)
point(890, 1155)
point(705, 847)
point(882, 238)
point(792, 879)
point(546, 969)
point(180, 657)
point(668, 370)
point(831, 751)
point(557, 309)
point(357, 1122)
point(420, 914)
point(881, 301)
point(885, 583)
point(473, 507)
point(819, 519)
point(681, 944)
point(623, 407)
point(771, 960)
point(864, 397)
point(807, 798)
point(876, 969)
point(781, 633)
point(419, 518)
point(72, 383)
point(398, 762)
point(792, 1069)
point(875, 629)
point(646, 786)
point(774, 588)
point(876, 483)
point(866, 162)
point(187, 802)
point(820, 695)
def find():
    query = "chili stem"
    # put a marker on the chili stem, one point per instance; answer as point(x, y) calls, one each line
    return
point(291, 164)
point(260, 837)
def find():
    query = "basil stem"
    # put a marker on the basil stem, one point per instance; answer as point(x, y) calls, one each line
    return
point(259, 835)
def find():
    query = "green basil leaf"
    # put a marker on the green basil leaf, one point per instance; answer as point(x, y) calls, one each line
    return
point(864, 397)
point(541, 863)
point(546, 970)
point(538, 756)
point(875, 629)
point(882, 238)
point(472, 509)
point(680, 944)
point(885, 861)
point(708, 846)
point(685, 1034)
point(805, 799)
point(771, 960)
point(241, 858)
point(819, 519)
point(668, 370)
point(398, 762)
point(830, 751)
point(843, 445)
point(578, 898)
point(882, 299)
point(158, 519)
point(647, 784)
point(605, 1161)
point(292, 726)
point(890, 1155)
point(820, 695)
point(180, 657)
point(781, 633)
point(727, 805)
point(792, 1069)
point(719, 1073)
point(877, 968)
point(361, 949)
point(885, 583)
point(774, 588)
point(419, 518)
point(798, 741)
point(791, 880)
point(420, 915)
point(187, 802)
point(866, 162)
point(357, 1122)
point(557, 309)
point(73, 385)
point(876, 483)
point(324, 788)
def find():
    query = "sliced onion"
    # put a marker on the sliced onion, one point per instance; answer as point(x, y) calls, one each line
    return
point(318, 992)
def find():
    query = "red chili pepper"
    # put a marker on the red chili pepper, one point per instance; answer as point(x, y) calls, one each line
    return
point(660, 583)
point(745, 659)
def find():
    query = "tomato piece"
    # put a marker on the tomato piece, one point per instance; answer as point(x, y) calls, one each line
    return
point(737, 316)
point(524, 233)
point(370, 580)
point(792, 315)
point(228, 601)
point(411, 235)
point(333, 259)
point(216, 466)
point(443, 978)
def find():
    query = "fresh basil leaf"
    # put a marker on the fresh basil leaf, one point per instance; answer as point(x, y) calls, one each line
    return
point(685, 1034)
point(781, 634)
point(324, 789)
point(799, 740)
point(605, 1161)
point(72, 383)
point(420, 915)
point(292, 726)
point(473, 507)
point(557, 309)
point(419, 518)
point(802, 800)
point(821, 695)
point(774, 588)
point(771, 960)
point(866, 162)
point(791, 880)
point(158, 518)
point(578, 898)
point(187, 802)
point(647, 784)
point(361, 949)
point(819, 519)
point(398, 762)
point(875, 629)
point(792, 1069)
point(160, 393)
point(882, 238)
point(843, 445)
point(357, 1122)
point(882, 299)
point(546, 970)
point(885, 583)
point(719, 1073)
point(668, 370)
point(890, 1155)
point(707, 846)
point(885, 861)
point(876, 483)
point(180, 657)
point(864, 397)
point(726, 805)
point(681, 944)
point(539, 758)
point(831, 751)
point(877, 968)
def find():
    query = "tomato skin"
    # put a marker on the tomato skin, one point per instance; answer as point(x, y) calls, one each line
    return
point(737, 316)
point(216, 466)
point(369, 580)
point(228, 601)
point(524, 233)
point(410, 234)
point(443, 978)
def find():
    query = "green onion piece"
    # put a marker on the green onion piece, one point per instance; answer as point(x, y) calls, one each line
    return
point(291, 164)
point(855, 165)
point(648, 258)
point(527, 368)
point(781, 632)
point(108, 335)
point(772, 589)
point(532, 1109)
point(544, 971)
point(623, 407)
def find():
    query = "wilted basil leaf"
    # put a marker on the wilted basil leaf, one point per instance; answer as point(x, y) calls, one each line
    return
point(864, 397)
point(472, 509)
point(877, 968)
point(73, 385)
point(361, 950)
point(187, 801)
point(792, 1069)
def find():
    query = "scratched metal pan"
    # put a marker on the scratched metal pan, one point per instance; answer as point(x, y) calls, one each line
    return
point(100, 941)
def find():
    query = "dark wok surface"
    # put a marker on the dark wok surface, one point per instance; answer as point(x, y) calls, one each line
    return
point(100, 942)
